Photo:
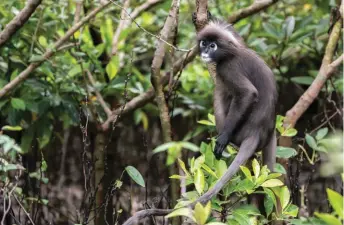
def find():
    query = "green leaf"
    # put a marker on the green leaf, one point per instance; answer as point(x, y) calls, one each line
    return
point(182, 165)
point(211, 118)
point(17, 103)
point(206, 122)
point(26, 139)
point(12, 128)
point(74, 71)
point(311, 141)
point(9, 167)
point(216, 223)
point(8, 145)
point(243, 219)
point(202, 213)
point(336, 201)
point(43, 41)
point(245, 185)
point(175, 176)
point(14, 74)
point(112, 67)
point(221, 168)
point(248, 209)
point(181, 212)
point(3, 103)
point(271, 30)
point(290, 25)
point(272, 183)
point(189, 146)
point(199, 181)
point(269, 201)
point(279, 169)
point(256, 168)
point(263, 175)
point(284, 196)
point(197, 163)
point(328, 218)
point(285, 152)
point(321, 133)
point(135, 175)
point(273, 175)
point(44, 134)
point(306, 80)
point(247, 172)
point(36, 58)
point(210, 171)
point(164, 147)
point(291, 210)
point(45, 201)
point(291, 132)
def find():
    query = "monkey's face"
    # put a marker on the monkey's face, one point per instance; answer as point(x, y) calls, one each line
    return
point(207, 50)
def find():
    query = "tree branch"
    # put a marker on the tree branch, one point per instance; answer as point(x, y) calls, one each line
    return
point(18, 21)
point(250, 10)
point(78, 8)
point(166, 33)
point(124, 23)
point(148, 96)
point(24, 74)
point(121, 26)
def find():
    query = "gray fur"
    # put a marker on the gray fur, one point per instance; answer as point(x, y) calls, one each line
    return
point(245, 95)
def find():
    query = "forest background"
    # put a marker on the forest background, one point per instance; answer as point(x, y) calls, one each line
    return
point(106, 110)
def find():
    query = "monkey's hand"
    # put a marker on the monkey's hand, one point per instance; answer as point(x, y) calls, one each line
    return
point(220, 145)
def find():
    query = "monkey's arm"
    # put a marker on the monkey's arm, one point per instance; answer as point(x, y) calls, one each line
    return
point(245, 95)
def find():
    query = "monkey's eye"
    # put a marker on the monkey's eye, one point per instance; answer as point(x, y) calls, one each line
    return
point(213, 45)
point(202, 44)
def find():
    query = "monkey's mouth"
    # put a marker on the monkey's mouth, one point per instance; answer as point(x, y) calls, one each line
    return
point(205, 58)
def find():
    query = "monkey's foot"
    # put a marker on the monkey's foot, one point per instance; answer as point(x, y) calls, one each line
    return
point(219, 148)
point(221, 144)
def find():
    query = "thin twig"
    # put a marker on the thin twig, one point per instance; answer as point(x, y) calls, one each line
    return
point(26, 213)
point(326, 121)
point(78, 8)
point(146, 31)
point(99, 96)
point(121, 26)
point(5, 211)
point(337, 62)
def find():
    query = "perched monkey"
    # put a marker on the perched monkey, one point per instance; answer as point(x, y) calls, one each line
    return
point(244, 97)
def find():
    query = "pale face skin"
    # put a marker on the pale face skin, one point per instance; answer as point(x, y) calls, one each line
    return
point(207, 48)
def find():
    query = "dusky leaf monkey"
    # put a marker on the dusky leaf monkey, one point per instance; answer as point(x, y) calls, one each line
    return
point(245, 97)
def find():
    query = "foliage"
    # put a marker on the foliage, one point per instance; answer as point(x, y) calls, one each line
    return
point(335, 218)
point(290, 36)
point(205, 171)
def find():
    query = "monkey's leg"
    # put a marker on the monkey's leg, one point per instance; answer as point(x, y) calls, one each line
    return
point(269, 152)
point(247, 149)
point(269, 159)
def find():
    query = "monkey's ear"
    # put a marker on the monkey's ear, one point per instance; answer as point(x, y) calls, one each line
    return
point(194, 18)
point(210, 17)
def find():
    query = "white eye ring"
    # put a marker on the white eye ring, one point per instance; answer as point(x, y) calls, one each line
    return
point(213, 46)
point(202, 44)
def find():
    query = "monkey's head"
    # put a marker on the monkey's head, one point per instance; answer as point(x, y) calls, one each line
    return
point(218, 41)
